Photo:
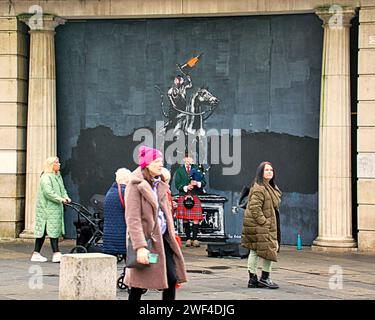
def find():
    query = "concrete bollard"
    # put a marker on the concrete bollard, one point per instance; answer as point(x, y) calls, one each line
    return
point(88, 276)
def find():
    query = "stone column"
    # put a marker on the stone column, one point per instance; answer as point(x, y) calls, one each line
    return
point(41, 118)
point(335, 205)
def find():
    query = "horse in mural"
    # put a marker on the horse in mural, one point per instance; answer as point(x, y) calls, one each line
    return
point(191, 120)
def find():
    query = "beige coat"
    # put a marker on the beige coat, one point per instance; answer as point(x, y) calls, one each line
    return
point(141, 214)
point(259, 231)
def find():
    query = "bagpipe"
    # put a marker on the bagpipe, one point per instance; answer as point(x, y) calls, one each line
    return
point(197, 174)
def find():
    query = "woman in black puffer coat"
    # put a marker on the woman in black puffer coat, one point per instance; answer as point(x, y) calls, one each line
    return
point(114, 215)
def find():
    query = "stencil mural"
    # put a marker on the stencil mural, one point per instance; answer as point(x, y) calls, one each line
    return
point(187, 113)
point(258, 76)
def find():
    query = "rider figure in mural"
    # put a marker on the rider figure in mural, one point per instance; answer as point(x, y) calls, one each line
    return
point(187, 114)
point(177, 98)
point(177, 93)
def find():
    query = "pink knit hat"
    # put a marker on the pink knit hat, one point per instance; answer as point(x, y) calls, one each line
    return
point(146, 155)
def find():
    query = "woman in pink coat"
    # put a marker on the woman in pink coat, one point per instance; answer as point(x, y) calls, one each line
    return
point(147, 204)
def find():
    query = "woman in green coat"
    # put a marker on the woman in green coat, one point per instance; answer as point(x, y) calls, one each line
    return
point(49, 218)
point(261, 230)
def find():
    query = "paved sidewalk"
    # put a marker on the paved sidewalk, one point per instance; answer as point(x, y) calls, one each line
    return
point(301, 275)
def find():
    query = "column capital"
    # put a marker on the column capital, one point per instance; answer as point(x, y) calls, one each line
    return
point(336, 16)
point(41, 22)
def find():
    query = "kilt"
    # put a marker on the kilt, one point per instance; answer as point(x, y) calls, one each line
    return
point(195, 213)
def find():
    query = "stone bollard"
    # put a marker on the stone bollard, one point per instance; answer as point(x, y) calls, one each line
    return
point(88, 276)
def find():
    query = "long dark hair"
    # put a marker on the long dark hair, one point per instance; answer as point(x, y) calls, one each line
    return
point(260, 173)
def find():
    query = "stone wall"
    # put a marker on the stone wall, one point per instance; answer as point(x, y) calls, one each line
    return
point(13, 110)
point(96, 9)
point(366, 130)
point(13, 85)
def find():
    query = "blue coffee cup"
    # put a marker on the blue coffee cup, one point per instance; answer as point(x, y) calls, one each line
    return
point(153, 257)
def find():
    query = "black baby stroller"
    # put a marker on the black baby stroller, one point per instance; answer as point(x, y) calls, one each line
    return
point(89, 226)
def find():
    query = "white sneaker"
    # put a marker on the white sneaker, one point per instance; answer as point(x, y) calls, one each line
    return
point(37, 257)
point(56, 257)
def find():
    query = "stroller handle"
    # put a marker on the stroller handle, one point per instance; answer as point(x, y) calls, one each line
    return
point(76, 203)
point(84, 212)
point(79, 208)
point(73, 205)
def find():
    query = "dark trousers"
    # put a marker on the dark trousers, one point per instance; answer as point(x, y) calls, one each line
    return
point(170, 293)
point(39, 243)
point(187, 229)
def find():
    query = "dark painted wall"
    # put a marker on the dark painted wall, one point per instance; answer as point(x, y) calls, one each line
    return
point(264, 69)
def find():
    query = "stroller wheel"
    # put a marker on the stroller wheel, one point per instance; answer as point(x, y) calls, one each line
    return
point(78, 249)
point(120, 283)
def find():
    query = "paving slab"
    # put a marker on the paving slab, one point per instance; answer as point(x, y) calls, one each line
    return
point(302, 275)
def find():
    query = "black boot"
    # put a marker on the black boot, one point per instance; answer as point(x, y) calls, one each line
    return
point(266, 282)
point(253, 280)
point(187, 233)
point(195, 235)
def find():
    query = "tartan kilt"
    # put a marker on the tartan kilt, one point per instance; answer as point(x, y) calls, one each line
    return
point(195, 213)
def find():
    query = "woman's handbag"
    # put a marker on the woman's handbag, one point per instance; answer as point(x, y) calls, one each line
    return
point(244, 197)
point(131, 253)
point(120, 195)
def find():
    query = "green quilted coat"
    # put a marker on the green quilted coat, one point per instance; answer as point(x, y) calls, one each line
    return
point(49, 206)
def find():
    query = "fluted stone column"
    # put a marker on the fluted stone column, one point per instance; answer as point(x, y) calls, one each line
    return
point(335, 179)
point(41, 118)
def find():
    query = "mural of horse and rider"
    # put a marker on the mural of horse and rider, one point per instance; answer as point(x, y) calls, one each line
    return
point(257, 74)
point(187, 114)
